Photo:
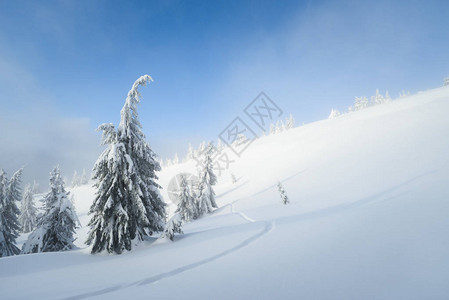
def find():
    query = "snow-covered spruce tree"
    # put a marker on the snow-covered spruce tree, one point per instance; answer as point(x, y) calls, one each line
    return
point(193, 189)
point(128, 205)
point(186, 205)
point(190, 152)
point(207, 178)
point(404, 94)
point(378, 98)
point(334, 113)
point(282, 193)
point(361, 103)
point(75, 179)
point(220, 145)
point(35, 188)
point(446, 81)
point(289, 122)
point(201, 148)
point(54, 231)
point(10, 194)
point(28, 212)
point(272, 128)
point(174, 225)
point(84, 179)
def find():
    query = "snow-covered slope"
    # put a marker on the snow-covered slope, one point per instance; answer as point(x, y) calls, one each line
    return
point(367, 219)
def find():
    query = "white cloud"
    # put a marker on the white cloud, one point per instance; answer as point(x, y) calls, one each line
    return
point(36, 135)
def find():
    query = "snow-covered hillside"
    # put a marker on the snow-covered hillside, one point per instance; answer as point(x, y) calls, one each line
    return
point(368, 219)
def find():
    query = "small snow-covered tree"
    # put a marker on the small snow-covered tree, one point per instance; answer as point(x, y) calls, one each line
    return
point(282, 193)
point(55, 229)
point(233, 179)
point(75, 179)
point(361, 103)
point(334, 113)
point(176, 159)
point(84, 179)
point(220, 145)
point(35, 188)
point(201, 149)
point(128, 205)
point(387, 97)
point(28, 214)
point(174, 225)
point(10, 194)
point(278, 127)
point(403, 94)
point(289, 122)
point(206, 195)
point(186, 205)
point(272, 128)
point(169, 163)
point(446, 81)
point(378, 98)
point(190, 152)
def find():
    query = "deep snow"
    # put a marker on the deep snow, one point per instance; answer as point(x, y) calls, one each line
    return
point(367, 219)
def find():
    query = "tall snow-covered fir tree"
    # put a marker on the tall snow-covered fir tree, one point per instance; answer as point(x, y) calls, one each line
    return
point(186, 205)
point(10, 194)
point(28, 212)
point(206, 195)
point(55, 229)
point(128, 205)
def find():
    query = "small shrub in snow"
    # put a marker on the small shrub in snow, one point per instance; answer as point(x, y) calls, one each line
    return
point(233, 179)
point(173, 226)
point(282, 193)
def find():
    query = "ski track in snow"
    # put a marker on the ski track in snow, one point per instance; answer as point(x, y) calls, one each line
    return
point(268, 227)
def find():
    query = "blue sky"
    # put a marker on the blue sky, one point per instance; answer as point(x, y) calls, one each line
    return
point(66, 66)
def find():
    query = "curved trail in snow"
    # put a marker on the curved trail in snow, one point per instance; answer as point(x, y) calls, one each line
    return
point(268, 227)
